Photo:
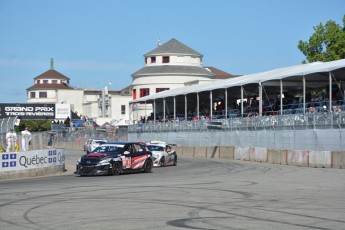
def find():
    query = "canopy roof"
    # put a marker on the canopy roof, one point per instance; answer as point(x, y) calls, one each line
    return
point(317, 72)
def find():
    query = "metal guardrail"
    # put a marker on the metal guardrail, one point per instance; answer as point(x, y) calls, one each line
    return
point(292, 121)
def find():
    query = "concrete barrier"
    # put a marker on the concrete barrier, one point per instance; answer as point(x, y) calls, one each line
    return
point(298, 158)
point(179, 151)
point(31, 163)
point(226, 152)
point(338, 160)
point(200, 152)
point(258, 154)
point(277, 156)
point(320, 159)
point(17, 174)
point(188, 152)
point(241, 153)
point(212, 152)
point(77, 145)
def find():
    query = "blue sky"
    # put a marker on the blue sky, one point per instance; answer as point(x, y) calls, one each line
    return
point(97, 42)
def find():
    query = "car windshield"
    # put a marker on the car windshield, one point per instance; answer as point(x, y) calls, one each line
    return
point(110, 149)
point(155, 148)
point(100, 142)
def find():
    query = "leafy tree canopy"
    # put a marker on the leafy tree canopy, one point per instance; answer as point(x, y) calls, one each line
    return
point(35, 125)
point(327, 43)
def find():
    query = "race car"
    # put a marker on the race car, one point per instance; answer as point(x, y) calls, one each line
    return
point(115, 158)
point(162, 154)
point(91, 144)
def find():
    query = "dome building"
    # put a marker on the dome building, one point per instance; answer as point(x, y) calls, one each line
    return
point(169, 66)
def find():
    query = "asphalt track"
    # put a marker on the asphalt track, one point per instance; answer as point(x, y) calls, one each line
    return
point(196, 194)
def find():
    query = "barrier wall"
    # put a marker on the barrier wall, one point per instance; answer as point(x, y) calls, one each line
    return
point(315, 159)
point(31, 163)
point(276, 156)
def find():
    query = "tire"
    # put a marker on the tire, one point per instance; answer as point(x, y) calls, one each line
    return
point(175, 160)
point(148, 166)
point(162, 162)
point(116, 170)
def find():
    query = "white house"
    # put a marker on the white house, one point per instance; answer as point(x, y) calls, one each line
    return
point(170, 65)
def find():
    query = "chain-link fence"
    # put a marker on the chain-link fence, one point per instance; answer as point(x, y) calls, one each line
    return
point(68, 137)
point(293, 121)
point(5, 125)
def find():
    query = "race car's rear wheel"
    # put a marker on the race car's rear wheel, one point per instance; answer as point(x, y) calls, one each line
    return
point(148, 166)
point(162, 162)
point(116, 170)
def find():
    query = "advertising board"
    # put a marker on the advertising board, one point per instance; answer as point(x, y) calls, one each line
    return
point(11, 161)
point(35, 111)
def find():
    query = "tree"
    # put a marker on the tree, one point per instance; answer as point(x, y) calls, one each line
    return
point(35, 125)
point(327, 43)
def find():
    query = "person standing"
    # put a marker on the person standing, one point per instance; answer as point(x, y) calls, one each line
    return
point(26, 138)
point(11, 140)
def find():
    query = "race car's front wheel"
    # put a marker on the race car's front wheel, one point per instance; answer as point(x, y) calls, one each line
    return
point(148, 166)
point(116, 170)
point(175, 161)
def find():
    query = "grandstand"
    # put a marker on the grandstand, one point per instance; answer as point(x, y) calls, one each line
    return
point(302, 106)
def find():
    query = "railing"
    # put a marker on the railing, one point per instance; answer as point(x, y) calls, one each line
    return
point(289, 121)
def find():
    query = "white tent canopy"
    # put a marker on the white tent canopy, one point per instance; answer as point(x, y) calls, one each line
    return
point(276, 74)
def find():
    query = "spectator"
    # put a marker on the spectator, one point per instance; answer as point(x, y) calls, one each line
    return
point(11, 140)
point(67, 122)
point(312, 109)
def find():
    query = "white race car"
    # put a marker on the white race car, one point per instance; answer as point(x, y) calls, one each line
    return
point(162, 154)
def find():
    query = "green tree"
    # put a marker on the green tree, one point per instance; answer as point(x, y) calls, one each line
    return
point(327, 43)
point(35, 125)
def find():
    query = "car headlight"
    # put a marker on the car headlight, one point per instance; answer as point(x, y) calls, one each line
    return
point(79, 160)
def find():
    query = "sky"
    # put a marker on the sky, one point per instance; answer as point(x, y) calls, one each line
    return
point(99, 43)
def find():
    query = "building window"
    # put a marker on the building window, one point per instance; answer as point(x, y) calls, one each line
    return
point(161, 89)
point(134, 94)
point(54, 81)
point(146, 60)
point(37, 81)
point(153, 59)
point(43, 95)
point(144, 92)
point(32, 95)
point(123, 109)
point(45, 81)
point(166, 59)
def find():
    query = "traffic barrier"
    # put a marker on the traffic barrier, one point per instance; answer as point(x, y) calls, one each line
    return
point(200, 152)
point(320, 159)
point(258, 154)
point(188, 152)
point(226, 152)
point(338, 159)
point(70, 145)
point(298, 158)
point(212, 152)
point(178, 150)
point(31, 163)
point(241, 153)
point(275, 156)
